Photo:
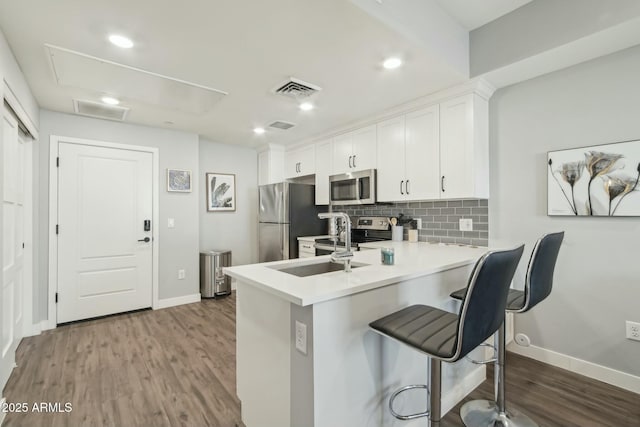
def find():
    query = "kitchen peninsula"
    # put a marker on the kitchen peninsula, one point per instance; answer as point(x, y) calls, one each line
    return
point(306, 356)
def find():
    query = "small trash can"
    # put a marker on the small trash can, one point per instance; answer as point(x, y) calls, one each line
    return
point(213, 282)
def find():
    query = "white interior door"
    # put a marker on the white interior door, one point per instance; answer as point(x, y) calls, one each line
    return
point(12, 243)
point(105, 195)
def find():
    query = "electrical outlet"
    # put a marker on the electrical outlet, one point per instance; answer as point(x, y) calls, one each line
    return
point(171, 223)
point(633, 330)
point(419, 223)
point(181, 274)
point(301, 337)
point(466, 224)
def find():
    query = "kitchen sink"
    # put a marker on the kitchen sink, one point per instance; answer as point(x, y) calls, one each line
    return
point(315, 269)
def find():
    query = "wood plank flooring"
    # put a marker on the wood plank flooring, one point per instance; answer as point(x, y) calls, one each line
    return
point(176, 367)
point(171, 367)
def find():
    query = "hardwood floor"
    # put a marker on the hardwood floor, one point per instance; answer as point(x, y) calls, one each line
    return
point(171, 367)
point(176, 367)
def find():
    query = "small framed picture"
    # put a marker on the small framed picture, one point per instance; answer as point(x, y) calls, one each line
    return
point(221, 192)
point(179, 180)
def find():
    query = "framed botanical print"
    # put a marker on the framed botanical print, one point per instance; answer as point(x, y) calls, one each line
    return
point(221, 192)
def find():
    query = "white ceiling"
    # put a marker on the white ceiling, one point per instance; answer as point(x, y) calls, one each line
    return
point(241, 47)
point(472, 14)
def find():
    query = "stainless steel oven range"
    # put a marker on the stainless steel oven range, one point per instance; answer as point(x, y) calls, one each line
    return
point(366, 229)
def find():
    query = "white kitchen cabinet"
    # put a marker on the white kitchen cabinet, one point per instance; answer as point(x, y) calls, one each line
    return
point(271, 165)
point(355, 150)
point(306, 247)
point(300, 162)
point(408, 157)
point(391, 164)
point(464, 148)
point(422, 154)
point(323, 171)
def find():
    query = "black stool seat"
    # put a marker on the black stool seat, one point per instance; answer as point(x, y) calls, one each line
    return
point(427, 329)
point(515, 299)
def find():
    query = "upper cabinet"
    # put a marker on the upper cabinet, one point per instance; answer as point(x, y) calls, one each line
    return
point(300, 162)
point(355, 150)
point(323, 170)
point(408, 157)
point(464, 148)
point(439, 152)
point(271, 165)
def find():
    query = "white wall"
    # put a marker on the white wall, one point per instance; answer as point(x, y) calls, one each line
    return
point(179, 150)
point(597, 280)
point(543, 25)
point(237, 231)
point(12, 75)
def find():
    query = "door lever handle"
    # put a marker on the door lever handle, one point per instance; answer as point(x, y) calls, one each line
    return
point(146, 240)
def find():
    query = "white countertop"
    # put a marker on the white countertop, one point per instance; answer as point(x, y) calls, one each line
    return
point(412, 260)
point(310, 238)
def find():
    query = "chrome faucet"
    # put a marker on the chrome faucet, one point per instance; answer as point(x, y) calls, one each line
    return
point(346, 255)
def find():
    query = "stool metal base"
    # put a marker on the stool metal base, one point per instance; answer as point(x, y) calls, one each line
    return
point(485, 413)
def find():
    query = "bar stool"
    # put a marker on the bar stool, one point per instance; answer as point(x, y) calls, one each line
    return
point(538, 283)
point(448, 337)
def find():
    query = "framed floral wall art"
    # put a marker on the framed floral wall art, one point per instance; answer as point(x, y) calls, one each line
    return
point(178, 181)
point(601, 180)
point(221, 192)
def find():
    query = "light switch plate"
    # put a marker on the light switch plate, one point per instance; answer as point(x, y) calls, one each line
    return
point(466, 224)
point(171, 223)
point(181, 274)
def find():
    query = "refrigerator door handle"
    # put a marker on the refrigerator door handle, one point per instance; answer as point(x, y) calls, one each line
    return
point(284, 244)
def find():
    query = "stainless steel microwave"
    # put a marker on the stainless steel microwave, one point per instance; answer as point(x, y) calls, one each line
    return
point(353, 188)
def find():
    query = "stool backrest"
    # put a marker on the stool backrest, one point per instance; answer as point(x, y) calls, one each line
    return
point(483, 308)
point(542, 263)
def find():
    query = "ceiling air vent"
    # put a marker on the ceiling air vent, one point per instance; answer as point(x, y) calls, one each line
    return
point(281, 125)
point(99, 110)
point(295, 88)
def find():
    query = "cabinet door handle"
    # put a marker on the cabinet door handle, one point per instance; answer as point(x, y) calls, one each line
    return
point(442, 183)
point(406, 186)
point(354, 160)
point(401, 182)
point(350, 161)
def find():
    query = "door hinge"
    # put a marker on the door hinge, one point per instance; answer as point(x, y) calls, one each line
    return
point(57, 229)
point(56, 297)
point(57, 162)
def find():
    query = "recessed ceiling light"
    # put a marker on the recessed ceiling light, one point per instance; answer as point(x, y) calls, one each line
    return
point(392, 63)
point(110, 100)
point(121, 41)
point(306, 106)
point(258, 131)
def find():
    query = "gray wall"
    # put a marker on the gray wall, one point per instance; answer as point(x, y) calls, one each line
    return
point(596, 284)
point(540, 26)
point(237, 231)
point(178, 246)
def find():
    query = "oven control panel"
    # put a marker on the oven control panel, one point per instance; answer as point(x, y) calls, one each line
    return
point(372, 223)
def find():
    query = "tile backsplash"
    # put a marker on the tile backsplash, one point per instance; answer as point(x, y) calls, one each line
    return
point(439, 218)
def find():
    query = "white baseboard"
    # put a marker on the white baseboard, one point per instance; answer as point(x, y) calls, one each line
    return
point(32, 330)
point(171, 302)
point(579, 366)
point(462, 389)
point(2, 413)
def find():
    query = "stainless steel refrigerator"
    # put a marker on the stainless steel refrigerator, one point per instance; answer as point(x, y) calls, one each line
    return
point(287, 211)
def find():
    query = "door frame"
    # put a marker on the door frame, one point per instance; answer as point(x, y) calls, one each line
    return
point(55, 141)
